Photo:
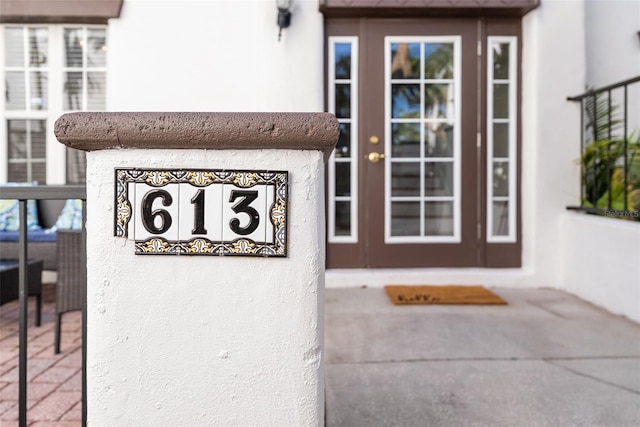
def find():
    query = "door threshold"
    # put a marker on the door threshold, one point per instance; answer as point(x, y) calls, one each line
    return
point(379, 277)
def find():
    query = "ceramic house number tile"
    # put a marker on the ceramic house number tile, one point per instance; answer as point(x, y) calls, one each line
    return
point(203, 209)
point(156, 211)
point(202, 212)
point(245, 213)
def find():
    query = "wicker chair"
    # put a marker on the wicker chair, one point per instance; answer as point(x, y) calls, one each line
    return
point(72, 281)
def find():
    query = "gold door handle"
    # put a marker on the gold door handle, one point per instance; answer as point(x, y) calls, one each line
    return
point(375, 157)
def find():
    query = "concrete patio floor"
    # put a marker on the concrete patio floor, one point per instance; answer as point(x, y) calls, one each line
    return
point(545, 359)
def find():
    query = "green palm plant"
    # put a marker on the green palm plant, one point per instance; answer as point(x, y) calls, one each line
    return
point(603, 160)
point(618, 194)
point(599, 157)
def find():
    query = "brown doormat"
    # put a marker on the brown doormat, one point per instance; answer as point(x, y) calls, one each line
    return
point(401, 294)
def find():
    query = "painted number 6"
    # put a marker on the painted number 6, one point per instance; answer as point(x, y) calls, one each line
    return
point(149, 216)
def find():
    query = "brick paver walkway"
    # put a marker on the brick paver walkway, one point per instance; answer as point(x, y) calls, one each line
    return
point(54, 391)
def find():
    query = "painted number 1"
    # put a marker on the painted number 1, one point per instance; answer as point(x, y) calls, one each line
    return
point(198, 213)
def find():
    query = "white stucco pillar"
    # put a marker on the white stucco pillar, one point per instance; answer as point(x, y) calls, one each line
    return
point(203, 339)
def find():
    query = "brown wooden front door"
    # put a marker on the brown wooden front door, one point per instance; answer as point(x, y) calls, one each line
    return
point(407, 183)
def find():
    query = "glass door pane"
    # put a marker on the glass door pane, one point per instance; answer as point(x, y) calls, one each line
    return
point(422, 173)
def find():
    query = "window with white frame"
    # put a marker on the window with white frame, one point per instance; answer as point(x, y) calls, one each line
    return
point(47, 70)
point(343, 165)
point(502, 139)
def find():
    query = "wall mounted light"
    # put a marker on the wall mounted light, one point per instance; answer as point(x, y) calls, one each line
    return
point(284, 15)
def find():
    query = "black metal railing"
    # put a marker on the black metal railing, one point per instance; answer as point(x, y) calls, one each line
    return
point(23, 194)
point(610, 151)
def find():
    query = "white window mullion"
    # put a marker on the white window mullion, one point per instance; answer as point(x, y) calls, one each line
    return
point(29, 142)
point(331, 193)
point(26, 70)
point(490, 140)
point(85, 65)
point(513, 137)
point(56, 152)
point(355, 156)
point(457, 140)
point(4, 157)
point(388, 137)
point(422, 145)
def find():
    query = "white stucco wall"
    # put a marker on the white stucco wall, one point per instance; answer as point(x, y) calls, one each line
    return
point(613, 52)
point(601, 262)
point(600, 257)
point(553, 68)
point(215, 55)
point(613, 44)
point(179, 340)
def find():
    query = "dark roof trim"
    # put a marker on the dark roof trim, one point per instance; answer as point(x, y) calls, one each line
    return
point(413, 8)
point(59, 11)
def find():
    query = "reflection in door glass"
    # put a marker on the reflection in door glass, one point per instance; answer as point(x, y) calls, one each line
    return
point(438, 139)
point(405, 60)
point(405, 139)
point(500, 60)
point(405, 101)
point(423, 114)
point(500, 218)
point(343, 179)
point(343, 101)
point(501, 179)
point(438, 62)
point(501, 140)
point(438, 179)
point(342, 60)
point(342, 188)
point(405, 179)
point(343, 147)
point(438, 101)
point(405, 218)
point(438, 218)
point(500, 101)
point(343, 219)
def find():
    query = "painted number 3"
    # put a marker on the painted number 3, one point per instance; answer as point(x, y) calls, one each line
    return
point(158, 221)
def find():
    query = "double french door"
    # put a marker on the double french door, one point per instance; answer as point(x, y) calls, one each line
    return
point(408, 183)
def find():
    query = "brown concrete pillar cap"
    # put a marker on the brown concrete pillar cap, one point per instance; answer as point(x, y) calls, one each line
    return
point(214, 131)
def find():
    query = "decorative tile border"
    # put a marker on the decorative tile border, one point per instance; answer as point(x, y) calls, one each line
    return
point(169, 237)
